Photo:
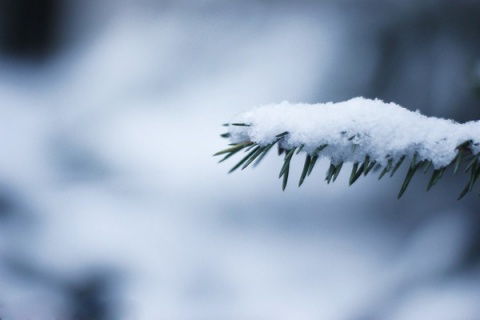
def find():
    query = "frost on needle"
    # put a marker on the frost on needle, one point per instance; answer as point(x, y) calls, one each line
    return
point(371, 134)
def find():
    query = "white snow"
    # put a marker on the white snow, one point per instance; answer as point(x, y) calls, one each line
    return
point(380, 130)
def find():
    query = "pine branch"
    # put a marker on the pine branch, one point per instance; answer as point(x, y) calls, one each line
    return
point(372, 135)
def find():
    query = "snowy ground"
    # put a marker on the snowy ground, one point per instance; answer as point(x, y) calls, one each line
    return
point(107, 171)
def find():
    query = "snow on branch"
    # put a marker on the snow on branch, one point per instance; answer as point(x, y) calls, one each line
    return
point(373, 135)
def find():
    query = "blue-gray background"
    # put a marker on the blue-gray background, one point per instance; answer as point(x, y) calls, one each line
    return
point(112, 206)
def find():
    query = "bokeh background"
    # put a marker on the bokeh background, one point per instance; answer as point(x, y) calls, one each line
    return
point(112, 206)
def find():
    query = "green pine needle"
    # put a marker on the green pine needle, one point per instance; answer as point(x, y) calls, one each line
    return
point(472, 162)
point(258, 151)
point(235, 148)
point(366, 164)
point(463, 193)
point(282, 134)
point(408, 177)
point(330, 173)
point(356, 172)
point(300, 148)
point(370, 167)
point(338, 168)
point(239, 164)
point(333, 172)
point(286, 162)
point(312, 164)
point(436, 175)
point(386, 169)
point(306, 167)
point(399, 163)
point(457, 161)
point(285, 178)
point(286, 167)
point(264, 153)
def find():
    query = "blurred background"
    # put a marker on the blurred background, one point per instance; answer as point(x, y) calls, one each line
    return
point(112, 206)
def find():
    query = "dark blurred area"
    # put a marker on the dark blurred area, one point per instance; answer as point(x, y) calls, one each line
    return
point(29, 29)
point(430, 52)
point(420, 54)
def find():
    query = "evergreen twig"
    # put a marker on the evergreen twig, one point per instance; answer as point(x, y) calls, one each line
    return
point(256, 152)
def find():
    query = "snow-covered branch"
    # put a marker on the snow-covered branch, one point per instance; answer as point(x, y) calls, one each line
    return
point(371, 134)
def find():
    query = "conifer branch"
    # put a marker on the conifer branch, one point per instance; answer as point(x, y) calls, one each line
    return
point(345, 132)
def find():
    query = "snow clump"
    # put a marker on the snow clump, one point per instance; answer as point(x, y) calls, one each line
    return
point(355, 129)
